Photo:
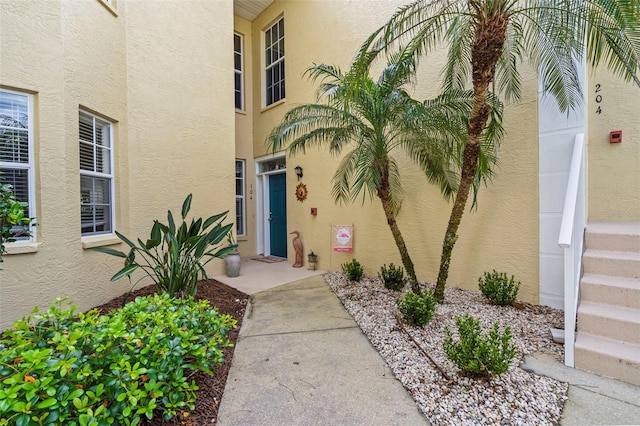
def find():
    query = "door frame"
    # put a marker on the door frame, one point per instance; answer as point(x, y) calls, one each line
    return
point(263, 231)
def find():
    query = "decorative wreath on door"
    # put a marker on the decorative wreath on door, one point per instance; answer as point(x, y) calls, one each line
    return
point(301, 192)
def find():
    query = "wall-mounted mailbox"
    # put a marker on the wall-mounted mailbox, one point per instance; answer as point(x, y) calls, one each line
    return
point(615, 136)
point(314, 211)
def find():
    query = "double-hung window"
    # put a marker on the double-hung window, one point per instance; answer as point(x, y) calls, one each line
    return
point(237, 75)
point(96, 175)
point(16, 147)
point(240, 198)
point(274, 62)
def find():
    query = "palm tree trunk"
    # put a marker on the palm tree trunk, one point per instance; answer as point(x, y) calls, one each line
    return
point(402, 248)
point(383, 194)
point(488, 43)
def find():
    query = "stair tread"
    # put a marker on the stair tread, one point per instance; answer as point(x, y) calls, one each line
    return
point(611, 254)
point(608, 280)
point(611, 347)
point(614, 228)
point(617, 312)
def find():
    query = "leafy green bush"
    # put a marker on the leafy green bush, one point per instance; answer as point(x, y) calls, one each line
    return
point(417, 308)
point(353, 270)
point(57, 368)
point(498, 288)
point(13, 222)
point(174, 256)
point(392, 277)
point(476, 354)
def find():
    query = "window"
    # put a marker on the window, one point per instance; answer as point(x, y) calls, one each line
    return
point(16, 147)
point(240, 200)
point(274, 62)
point(237, 65)
point(96, 175)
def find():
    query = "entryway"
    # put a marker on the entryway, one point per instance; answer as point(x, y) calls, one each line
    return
point(278, 214)
point(271, 185)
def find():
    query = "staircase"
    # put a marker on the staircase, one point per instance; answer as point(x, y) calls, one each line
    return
point(608, 337)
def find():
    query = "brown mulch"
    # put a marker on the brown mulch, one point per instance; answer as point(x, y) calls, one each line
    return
point(227, 300)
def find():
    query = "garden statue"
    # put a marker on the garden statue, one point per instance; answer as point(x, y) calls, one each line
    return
point(297, 246)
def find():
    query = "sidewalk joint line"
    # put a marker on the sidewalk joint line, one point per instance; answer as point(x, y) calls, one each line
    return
point(302, 331)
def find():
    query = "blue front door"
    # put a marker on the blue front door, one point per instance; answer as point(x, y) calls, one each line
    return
point(278, 214)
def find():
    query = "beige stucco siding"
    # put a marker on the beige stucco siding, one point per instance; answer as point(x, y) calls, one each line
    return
point(181, 119)
point(56, 50)
point(501, 234)
point(161, 72)
point(614, 169)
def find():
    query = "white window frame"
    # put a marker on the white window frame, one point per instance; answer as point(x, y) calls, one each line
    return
point(238, 71)
point(29, 167)
point(242, 197)
point(268, 65)
point(93, 174)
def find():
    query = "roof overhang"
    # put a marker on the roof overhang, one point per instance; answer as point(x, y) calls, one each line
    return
point(250, 9)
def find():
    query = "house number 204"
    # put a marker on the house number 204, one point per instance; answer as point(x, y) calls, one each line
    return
point(598, 99)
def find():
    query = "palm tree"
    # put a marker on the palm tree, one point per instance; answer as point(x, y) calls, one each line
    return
point(371, 121)
point(488, 39)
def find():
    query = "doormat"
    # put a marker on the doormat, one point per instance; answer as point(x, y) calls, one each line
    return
point(269, 259)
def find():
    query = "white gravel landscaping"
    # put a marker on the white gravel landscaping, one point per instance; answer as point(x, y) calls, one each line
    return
point(516, 397)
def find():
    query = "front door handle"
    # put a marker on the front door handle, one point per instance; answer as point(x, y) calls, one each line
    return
point(269, 216)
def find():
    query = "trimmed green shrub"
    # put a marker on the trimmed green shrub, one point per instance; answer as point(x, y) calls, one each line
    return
point(476, 354)
point(417, 309)
point(498, 288)
point(175, 256)
point(58, 368)
point(353, 270)
point(392, 277)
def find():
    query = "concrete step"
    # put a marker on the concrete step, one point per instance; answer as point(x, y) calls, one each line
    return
point(613, 236)
point(618, 291)
point(613, 322)
point(608, 357)
point(613, 263)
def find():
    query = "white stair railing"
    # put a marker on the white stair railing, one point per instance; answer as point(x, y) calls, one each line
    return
point(571, 240)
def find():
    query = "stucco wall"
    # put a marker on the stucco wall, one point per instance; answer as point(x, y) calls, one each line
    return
point(614, 169)
point(502, 234)
point(180, 108)
point(56, 50)
point(160, 71)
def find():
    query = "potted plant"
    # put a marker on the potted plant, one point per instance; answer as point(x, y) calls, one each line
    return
point(232, 261)
point(313, 259)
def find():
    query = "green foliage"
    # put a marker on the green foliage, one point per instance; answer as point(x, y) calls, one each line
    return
point(13, 222)
point(417, 308)
point(476, 354)
point(498, 288)
point(57, 368)
point(175, 256)
point(370, 123)
point(392, 277)
point(353, 270)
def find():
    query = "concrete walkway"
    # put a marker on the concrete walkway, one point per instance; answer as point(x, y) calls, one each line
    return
point(593, 400)
point(302, 360)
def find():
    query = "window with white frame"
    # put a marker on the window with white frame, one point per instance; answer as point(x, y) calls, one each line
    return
point(96, 175)
point(240, 198)
point(274, 62)
point(237, 66)
point(16, 147)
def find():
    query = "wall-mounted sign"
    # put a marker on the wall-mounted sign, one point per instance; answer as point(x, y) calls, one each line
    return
point(343, 238)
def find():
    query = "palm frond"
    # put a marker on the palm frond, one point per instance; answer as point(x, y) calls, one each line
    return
point(457, 70)
point(612, 33)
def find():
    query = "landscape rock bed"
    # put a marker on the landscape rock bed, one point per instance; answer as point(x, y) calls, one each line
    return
point(516, 397)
